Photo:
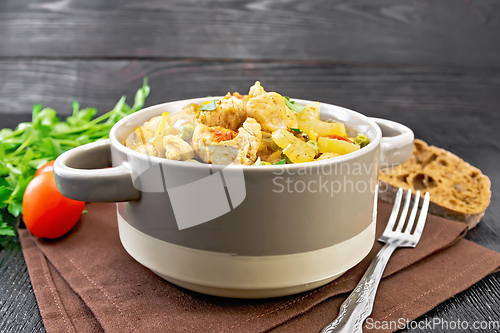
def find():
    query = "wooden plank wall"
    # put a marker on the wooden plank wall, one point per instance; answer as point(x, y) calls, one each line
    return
point(404, 32)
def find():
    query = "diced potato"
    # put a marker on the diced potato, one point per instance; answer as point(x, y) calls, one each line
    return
point(268, 140)
point(299, 153)
point(282, 138)
point(326, 156)
point(274, 157)
point(309, 121)
point(327, 145)
point(312, 135)
point(295, 149)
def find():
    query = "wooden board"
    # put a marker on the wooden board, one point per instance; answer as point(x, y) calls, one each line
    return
point(18, 307)
point(404, 32)
point(433, 65)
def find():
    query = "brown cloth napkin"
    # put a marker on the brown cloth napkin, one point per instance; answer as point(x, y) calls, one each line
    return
point(86, 282)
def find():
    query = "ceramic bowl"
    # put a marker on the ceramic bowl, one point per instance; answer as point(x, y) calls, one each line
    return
point(239, 231)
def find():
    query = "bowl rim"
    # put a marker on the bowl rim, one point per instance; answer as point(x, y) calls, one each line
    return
point(115, 143)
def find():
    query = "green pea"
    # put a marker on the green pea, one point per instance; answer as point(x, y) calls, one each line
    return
point(186, 132)
point(361, 140)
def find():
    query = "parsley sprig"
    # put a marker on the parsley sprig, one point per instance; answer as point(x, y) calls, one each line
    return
point(34, 143)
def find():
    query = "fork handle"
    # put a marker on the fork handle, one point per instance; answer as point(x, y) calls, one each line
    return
point(359, 305)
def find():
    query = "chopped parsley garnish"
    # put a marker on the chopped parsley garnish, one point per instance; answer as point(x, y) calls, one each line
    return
point(283, 161)
point(296, 130)
point(293, 106)
point(209, 106)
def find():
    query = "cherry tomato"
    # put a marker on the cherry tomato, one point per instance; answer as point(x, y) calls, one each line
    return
point(49, 166)
point(47, 213)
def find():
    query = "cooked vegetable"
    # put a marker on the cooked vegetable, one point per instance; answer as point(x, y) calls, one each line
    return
point(283, 161)
point(339, 137)
point(327, 145)
point(309, 121)
point(313, 144)
point(186, 132)
point(293, 106)
point(160, 132)
point(210, 106)
point(295, 149)
point(260, 162)
point(361, 140)
point(47, 213)
point(268, 140)
point(238, 95)
point(32, 144)
point(326, 156)
point(276, 156)
point(255, 129)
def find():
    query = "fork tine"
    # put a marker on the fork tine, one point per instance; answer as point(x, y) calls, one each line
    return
point(395, 211)
point(422, 217)
point(413, 214)
point(404, 213)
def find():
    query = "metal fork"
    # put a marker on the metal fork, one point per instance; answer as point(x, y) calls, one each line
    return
point(359, 305)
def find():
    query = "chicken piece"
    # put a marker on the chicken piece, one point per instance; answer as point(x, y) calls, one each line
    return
point(204, 137)
point(256, 90)
point(230, 113)
point(271, 112)
point(145, 148)
point(176, 148)
point(247, 141)
point(240, 150)
point(186, 116)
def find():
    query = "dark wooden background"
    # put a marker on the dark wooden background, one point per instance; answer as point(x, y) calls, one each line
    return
point(433, 65)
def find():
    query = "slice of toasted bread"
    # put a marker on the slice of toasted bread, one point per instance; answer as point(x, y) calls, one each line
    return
point(458, 190)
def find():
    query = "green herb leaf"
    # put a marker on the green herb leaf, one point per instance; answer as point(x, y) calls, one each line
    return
point(6, 230)
point(4, 170)
point(209, 106)
point(140, 96)
point(15, 208)
point(297, 130)
point(37, 163)
point(283, 161)
point(294, 106)
point(18, 193)
point(5, 193)
point(80, 117)
point(34, 143)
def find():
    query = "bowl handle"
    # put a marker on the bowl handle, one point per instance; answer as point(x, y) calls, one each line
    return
point(79, 175)
point(396, 145)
